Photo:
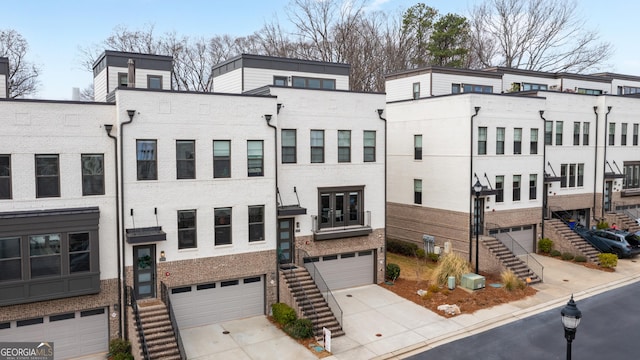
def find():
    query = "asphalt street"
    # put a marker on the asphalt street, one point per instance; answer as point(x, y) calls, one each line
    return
point(610, 329)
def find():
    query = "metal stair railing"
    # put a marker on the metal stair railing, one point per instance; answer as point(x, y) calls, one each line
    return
point(519, 251)
point(304, 296)
point(164, 295)
point(579, 230)
point(134, 304)
point(321, 284)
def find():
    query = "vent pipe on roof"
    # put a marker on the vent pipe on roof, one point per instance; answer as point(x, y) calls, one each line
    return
point(131, 73)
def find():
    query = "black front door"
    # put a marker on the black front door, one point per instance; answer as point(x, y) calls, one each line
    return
point(144, 271)
point(285, 241)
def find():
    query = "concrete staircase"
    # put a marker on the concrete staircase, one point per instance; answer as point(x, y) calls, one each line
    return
point(510, 261)
point(311, 302)
point(625, 222)
point(570, 236)
point(157, 329)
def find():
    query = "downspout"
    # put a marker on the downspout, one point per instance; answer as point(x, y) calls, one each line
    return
point(604, 159)
point(108, 128)
point(275, 155)
point(384, 253)
point(131, 113)
point(477, 109)
point(544, 172)
point(595, 164)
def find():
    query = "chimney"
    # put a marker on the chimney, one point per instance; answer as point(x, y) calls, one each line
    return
point(131, 73)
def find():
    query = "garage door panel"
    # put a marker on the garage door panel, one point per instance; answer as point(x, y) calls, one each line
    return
point(347, 270)
point(522, 236)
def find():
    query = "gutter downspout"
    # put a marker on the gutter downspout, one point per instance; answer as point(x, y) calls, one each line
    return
point(477, 109)
point(275, 155)
point(108, 128)
point(595, 164)
point(131, 113)
point(544, 172)
point(380, 111)
point(604, 159)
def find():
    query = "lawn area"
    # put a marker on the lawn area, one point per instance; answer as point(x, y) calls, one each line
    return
point(412, 268)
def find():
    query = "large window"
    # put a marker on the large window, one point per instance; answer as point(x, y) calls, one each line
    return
point(571, 175)
point(516, 187)
point(533, 186)
point(341, 207)
point(5, 177)
point(154, 82)
point(517, 141)
point(221, 158)
point(288, 146)
point(417, 147)
point(623, 134)
point(44, 255)
point(530, 86)
point(79, 252)
point(255, 158)
point(222, 223)
point(500, 141)
point(500, 188)
point(548, 132)
point(576, 133)
point(585, 134)
point(416, 90)
point(580, 181)
point(612, 133)
point(10, 259)
point(559, 131)
point(533, 142)
point(187, 238)
point(369, 144)
point(589, 91)
point(256, 223)
point(467, 88)
point(317, 146)
point(631, 175)
point(482, 141)
point(635, 134)
point(146, 155)
point(92, 174)
point(47, 176)
point(344, 146)
point(313, 83)
point(417, 191)
point(185, 159)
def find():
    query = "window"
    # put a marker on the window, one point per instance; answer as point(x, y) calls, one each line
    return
point(154, 82)
point(533, 186)
point(185, 159)
point(416, 91)
point(314, 83)
point(635, 134)
point(341, 207)
point(477, 88)
point(280, 80)
point(517, 141)
point(92, 174)
point(317, 146)
point(533, 143)
point(256, 223)
point(5, 176)
point(482, 141)
point(369, 143)
point(10, 259)
point(580, 175)
point(344, 146)
point(288, 146)
point(623, 134)
point(589, 91)
point(631, 175)
point(516, 187)
point(612, 133)
point(123, 79)
point(548, 132)
point(455, 88)
point(500, 141)
point(79, 252)
point(417, 191)
point(559, 125)
point(47, 176)
point(187, 229)
point(529, 86)
point(221, 158)
point(222, 223)
point(44, 255)
point(571, 175)
point(146, 156)
point(576, 133)
point(499, 188)
point(626, 90)
point(585, 134)
point(417, 147)
point(563, 175)
point(255, 158)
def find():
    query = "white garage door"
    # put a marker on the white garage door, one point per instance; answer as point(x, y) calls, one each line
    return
point(204, 304)
point(345, 270)
point(523, 235)
point(73, 334)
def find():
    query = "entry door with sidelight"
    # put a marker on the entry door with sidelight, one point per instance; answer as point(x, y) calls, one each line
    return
point(285, 241)
point(144, 271)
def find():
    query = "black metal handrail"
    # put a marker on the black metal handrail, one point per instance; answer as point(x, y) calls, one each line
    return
point(321, 284)
point(519, 251)
point(164, 295)
point(134, 305)
point(363, 220)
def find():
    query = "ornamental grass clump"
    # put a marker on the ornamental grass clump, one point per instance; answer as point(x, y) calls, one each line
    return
point(450, 265)
point(511, 281)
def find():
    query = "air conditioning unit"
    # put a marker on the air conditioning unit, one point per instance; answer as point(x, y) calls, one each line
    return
point(472, 281)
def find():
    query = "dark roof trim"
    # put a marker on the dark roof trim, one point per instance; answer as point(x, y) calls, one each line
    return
point(529, 95)
point(442, 70)
point(57, 101)
point(617, 76)
point(143, 61)
point(145, 235)
point(610, 175)
point(124, 88)
point(265, 90)
point(279, 63)
point(49, 212)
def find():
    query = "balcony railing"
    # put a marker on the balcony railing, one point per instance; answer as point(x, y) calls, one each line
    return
point(329, 226)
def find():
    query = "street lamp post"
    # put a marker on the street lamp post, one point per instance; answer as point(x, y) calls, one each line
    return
point(570, 320)
point(477, 187)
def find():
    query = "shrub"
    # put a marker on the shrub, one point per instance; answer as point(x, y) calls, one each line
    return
point(433, 288)
point(283, 314)
point(580, 259)
point(608, 260)
point(120, 349)
point(421, 254)
point(433, 257)
point(393, 271)
point(567, 256)
point(555, 253)
point(545, 245)
point(299, 328)
point(511, 281)
point(401, 247)
point(450, 265)
point(602, 225)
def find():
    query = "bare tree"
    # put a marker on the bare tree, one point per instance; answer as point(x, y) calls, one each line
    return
point(23, 75)
point(87, 94)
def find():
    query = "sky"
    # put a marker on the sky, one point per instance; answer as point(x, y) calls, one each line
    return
point(57, 29)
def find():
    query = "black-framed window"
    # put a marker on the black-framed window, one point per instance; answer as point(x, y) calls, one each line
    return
point(221, 158)
point(416, 90)
point(47, 175)
point(559, 131)
point(417, 147)
point(623, 134)
point(530, 86)
point(344, 146)
point(589, 91)
point(44, 255)
point(256, 223)
point(564, 175)
point(482, 140)
point(288, 140)
point(10, 259)
point(146, 156)
point(185, 159)
point(471, 88)
point(612, 133)
point(517, 141)
point(585, 134)
point(576, 133)
point(92, 174)
point(341, 206)
point(455, 88)
point(187, 234)
point(123, 79)
point(369, 145)
point(635, 134)
point(5, 176)
point(417, 191)
point(79, 246)
point(313, 83)
point(280, 80)
point(154, 82)
point(255, 158)
point(548, 132)
point(533, 186)
point(317, 146)
point(500, 188)
point(517, 180)
point(533, 142)
point(500, 134)
point(222, 221)
point(580, 181)
point(631, 175)
point(572, 175)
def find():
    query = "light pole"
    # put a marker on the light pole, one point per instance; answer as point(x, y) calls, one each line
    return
point(477, 187)
point(570, 320)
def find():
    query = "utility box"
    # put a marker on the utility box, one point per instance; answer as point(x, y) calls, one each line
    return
point(472, 281)
point(429, 243)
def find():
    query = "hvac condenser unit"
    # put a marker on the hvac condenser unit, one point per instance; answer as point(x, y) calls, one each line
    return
point(472, 281)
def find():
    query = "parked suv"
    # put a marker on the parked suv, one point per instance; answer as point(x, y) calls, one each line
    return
point(619, 242)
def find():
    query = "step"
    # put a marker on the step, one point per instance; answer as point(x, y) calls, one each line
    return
point(164, 347)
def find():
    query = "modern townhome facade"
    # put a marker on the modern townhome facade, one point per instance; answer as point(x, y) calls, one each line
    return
point(541, 145)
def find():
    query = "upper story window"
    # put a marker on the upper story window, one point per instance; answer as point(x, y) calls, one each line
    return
point(635, 134)
point(288, 140)
point(470, 88)
point(623, 134)
point(255, 158)
point(631, 175)
point(154, 82)
point(187, 238)
point(516, 187)
point(369, 144)
point(341, 207)
point(47, 176)
point(221, 158)
point(417, 191)
point(626, 90)
point(314, 83)
point(222, 224)
point(256, 223)
point(5, 176)
point(559, 127)
point(344, 146)
point(500, 188)
point(10, 259)
point(500, 140)
point(530, 86)
point(146, 152)
point(280, 80)
point(533, 186)
point(612, 133)
point(317, 146)
point(576, 133)
point(123, 79)
point(482, 141)
point(517, 141)
point(589, 91)
point(571, 175)
point(185, 159)
point(416, 90)
point(533, 142)
point(548, 132)
point(44, 255)
point(417, 147)
point(585, 134)
point(92, 174)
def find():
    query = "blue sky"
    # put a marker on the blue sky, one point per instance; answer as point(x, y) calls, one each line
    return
point(56, 29)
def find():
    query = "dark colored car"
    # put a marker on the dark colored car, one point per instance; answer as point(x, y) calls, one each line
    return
point(619, 242)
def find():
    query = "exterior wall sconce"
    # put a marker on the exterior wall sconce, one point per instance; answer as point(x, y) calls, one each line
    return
point(162, 256)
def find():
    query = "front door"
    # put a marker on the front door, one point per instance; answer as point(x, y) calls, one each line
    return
point(144, 271)
point(285, 241)
point(607, 195)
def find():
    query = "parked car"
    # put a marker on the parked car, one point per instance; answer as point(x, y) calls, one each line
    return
point(619, 242)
